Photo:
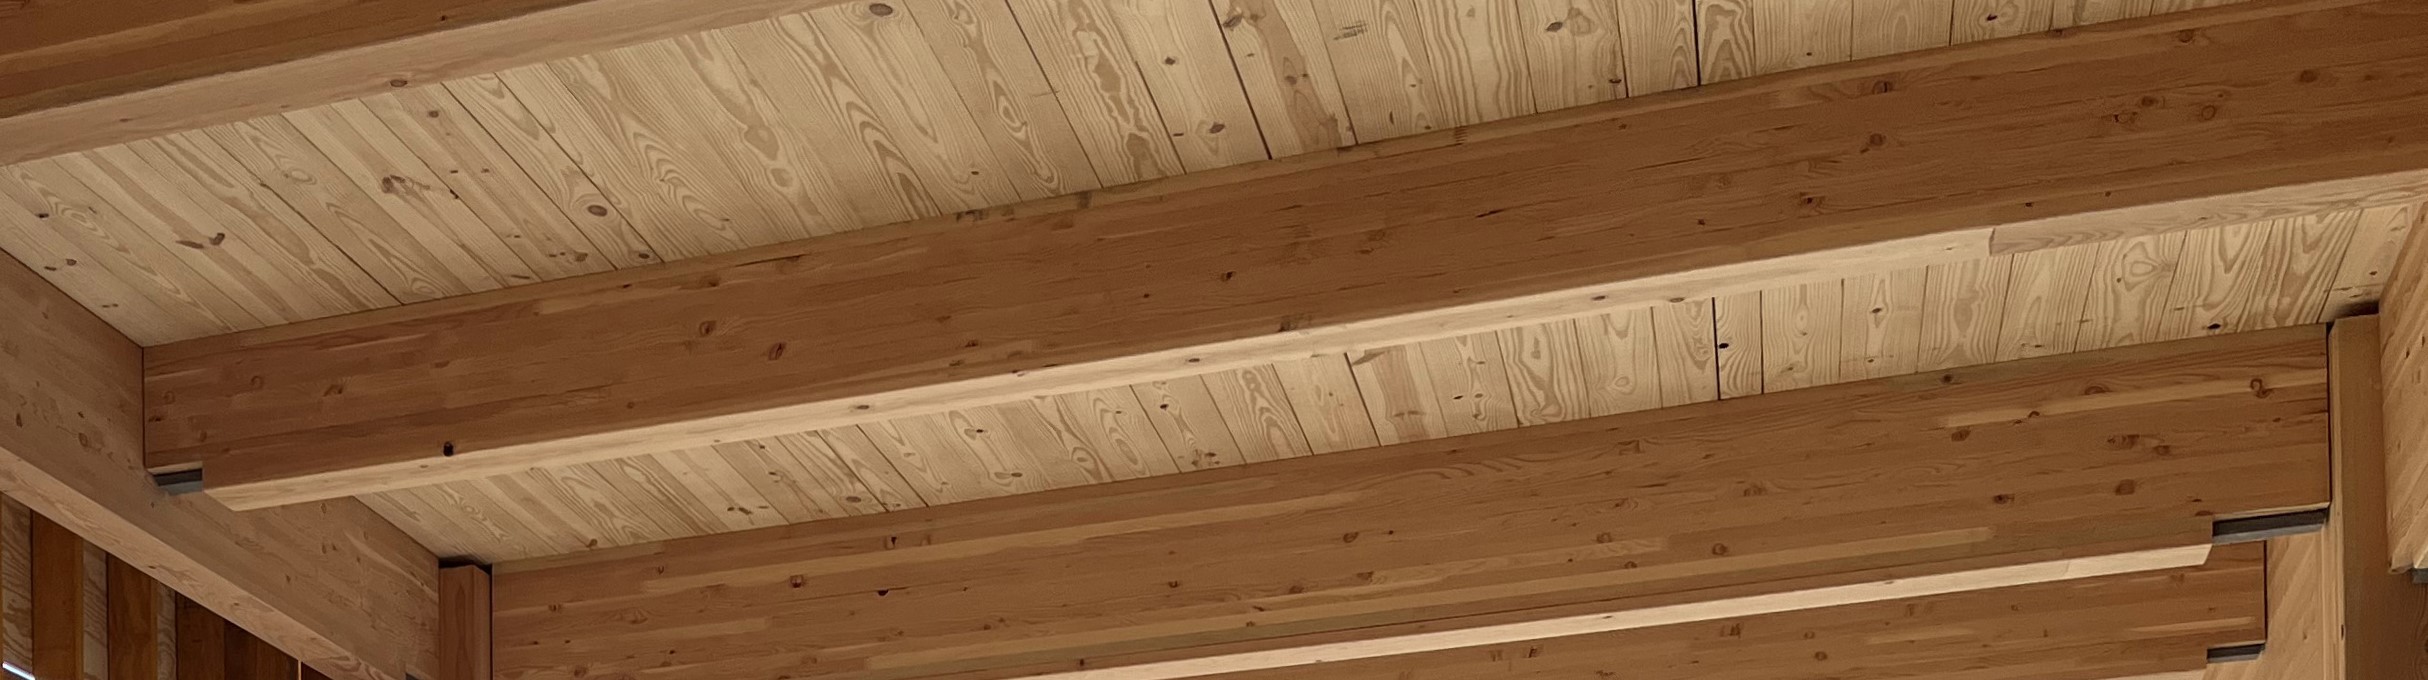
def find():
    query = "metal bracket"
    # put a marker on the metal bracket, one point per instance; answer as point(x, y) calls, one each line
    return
point(2236, 652)
point(179, 483)
point(2264, 527)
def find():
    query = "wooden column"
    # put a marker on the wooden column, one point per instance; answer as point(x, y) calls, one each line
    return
point(463, 623)
point(2379, 617)
point(68, 605)
point(202, 643)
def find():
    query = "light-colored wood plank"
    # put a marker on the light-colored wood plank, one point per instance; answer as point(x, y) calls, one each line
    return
point(1191, 424)
point(2370, 617)
point(1690, 372)
point(1546, 373)
point(1080, 45)
point(1256, 406)
point(1331, 410)
point(1379, 51)
point(2131, 281)
point(981, 49)
point(1893, 26)
point(1880, 330)
point(424, 209)
point(529, 143)
point(1398, 389)
point(2045, 294)
point(1470, 383)
point(1802, 337)
point(1962, 306)
point(1478, 62)
point(1285, 66)
point(480, 172)
point(1659, 39)
point(1621, 359)
point(1186, 65)
point(1977, 20)
point(1794, 34)
point(2369, 260)
point(1725, 32)
point(1574, 51)
point(1737, 337)
point(80, 221)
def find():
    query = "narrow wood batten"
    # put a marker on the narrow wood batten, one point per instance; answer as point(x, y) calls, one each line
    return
point(2065, 467)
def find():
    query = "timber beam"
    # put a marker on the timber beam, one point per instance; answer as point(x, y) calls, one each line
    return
point(2210, 117)
point(83, 75)
point(2064, 467)
point(329, 582)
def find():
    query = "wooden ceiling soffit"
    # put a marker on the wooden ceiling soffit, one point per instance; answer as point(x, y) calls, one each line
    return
point(2211, 117)
point(79, 75)
point(2063, 467)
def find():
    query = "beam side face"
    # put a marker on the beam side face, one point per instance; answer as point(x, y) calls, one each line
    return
point(2006, 474)
point(1901, 161)
point(331, 582)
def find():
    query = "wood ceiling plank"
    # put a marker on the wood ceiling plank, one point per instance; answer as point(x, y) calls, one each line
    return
point(425, 211)
point(2045, 293)
point(644, 124)
point(1325, 396)
point(1546, 372)
point(2369, 260)
point(1737, 337)
point(2130, 285)
point(1110, 425)
point(1802, 340)
point(1060, 582)
point(1962, 305)
point(2211, 282)
point(1988, 19)
point(1621, 362)
point(982, 50)
point(1659, 39)
point(1478, 59)
point(1438, 238)
point(1881, 329)
point(1181, 55)
point(295, 171)
point(1079, 44)
point(82, 221)
point(1575, 51)
point(1471, 383)
point(1725, 39)
point(1794, 34)
point(1399, 392)
point(1379, 50)
point(300, 270)
point(1690, 372)
point(1891, 26)
point(157, 212)
point(1191, 424)
point(519, 134)
point(1256, 406)
point(2313, 247)
point(1285, 65)
point(480, 172)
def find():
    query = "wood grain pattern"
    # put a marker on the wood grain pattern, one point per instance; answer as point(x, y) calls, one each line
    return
point(1089, 573)
point(2404, 330)
point(330, 580)
point(2106, 628)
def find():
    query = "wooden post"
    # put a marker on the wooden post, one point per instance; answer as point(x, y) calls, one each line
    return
point(463, 620)
point(2377, 617)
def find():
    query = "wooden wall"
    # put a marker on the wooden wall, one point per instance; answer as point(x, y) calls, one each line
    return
point(69, 611)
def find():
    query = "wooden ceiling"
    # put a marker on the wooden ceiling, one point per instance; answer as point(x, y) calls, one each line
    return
point(873, 113)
